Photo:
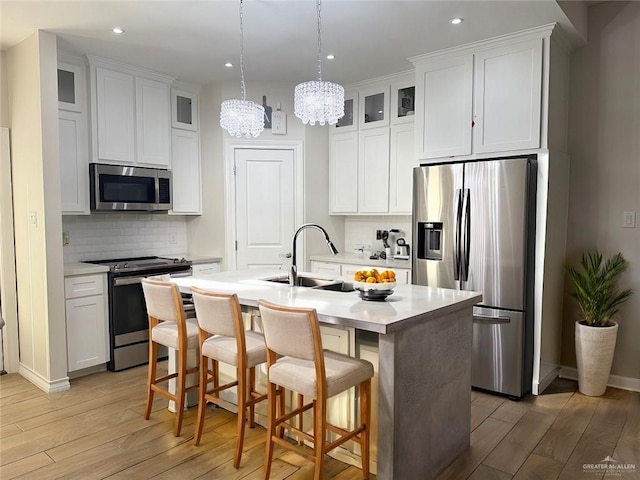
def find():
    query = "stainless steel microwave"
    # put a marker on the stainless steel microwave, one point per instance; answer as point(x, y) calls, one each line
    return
point(121, 188)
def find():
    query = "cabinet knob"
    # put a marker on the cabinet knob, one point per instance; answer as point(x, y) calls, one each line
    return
point(285, 255)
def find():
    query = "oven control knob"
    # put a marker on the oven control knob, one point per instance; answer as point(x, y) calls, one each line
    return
point(115, 267)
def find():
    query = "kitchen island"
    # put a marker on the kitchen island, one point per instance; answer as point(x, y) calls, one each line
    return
point(424, 339)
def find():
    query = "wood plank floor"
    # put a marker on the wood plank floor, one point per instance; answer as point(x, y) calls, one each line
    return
point(96, 430)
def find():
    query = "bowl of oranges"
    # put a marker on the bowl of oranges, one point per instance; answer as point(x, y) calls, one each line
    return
point(365, 280)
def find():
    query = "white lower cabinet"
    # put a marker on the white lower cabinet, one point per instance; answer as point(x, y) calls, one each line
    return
point(326, 268)
point(87, 321)
point(203, 270)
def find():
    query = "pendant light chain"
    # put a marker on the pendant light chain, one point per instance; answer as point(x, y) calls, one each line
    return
point(242, 89)
point(318, 8)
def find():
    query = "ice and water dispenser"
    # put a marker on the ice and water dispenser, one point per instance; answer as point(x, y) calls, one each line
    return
point(429, 240)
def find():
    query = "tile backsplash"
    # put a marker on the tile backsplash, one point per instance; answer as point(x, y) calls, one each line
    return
point(112, 235)
point(361, 230)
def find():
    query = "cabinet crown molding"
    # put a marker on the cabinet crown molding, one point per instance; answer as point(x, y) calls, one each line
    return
point(543, 31)
point(379, 80)
point(95, 61)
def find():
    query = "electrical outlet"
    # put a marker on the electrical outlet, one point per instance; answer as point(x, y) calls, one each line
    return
point(628, 219)
point(65, 238)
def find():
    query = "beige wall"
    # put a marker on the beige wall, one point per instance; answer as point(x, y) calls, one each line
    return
point(206, 234)
point(32, 83)
point(4, 100)
point(604, 142)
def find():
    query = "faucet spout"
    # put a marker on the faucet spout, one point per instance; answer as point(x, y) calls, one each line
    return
point(293, 273)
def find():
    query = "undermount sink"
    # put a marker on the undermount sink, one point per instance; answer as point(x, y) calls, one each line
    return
point(314, 282)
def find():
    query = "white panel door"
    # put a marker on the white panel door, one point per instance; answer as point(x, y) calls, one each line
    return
point(116, 113)
point(153, 122)
point(265, 206)
point(74, 162)
point(185, 167)
point(507, 99)
point(401, 163)
point(343, 173)
point(373, 171)
point(444, 107)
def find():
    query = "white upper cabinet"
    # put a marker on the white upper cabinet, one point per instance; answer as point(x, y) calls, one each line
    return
point(487, 97)
point(343, 173)
point(74, 162)
point(153, 123)
point(71, 87)
point(374, 107)
point(444, 99)
point(185, 166)
point(130, 113)
point(403, 96)
point(115, 98)
point(373, 171)
point(508, 90)
point(401, 164)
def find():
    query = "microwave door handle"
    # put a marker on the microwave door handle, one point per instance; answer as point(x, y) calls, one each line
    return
point(466, 234)
point(456, 237)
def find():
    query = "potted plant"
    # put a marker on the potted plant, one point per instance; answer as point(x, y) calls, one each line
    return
point(598, 298)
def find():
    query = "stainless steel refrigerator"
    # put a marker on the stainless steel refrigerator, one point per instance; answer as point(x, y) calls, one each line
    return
point(473, 229)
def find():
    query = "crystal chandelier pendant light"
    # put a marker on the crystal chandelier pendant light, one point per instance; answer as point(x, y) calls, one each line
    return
point(242, 117)
point(318, 100)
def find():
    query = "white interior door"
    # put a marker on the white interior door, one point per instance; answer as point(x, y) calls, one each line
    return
point(265, 206)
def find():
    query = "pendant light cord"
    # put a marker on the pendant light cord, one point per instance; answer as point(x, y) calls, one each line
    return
point(242, 89)
point(319, 42)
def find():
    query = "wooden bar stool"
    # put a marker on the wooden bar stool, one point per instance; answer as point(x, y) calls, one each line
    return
point(296, 362)
point(168, 326)
point(219, 315)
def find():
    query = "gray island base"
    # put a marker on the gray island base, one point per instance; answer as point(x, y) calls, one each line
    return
point(424, 385)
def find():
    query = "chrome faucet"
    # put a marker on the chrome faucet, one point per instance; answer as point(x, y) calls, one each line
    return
point(293, 273)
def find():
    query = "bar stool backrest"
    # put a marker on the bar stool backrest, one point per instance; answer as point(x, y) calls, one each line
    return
point(216, 312)
point(163, 300)
point(291, 332)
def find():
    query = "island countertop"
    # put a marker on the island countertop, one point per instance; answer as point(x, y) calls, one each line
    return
point(406, 306)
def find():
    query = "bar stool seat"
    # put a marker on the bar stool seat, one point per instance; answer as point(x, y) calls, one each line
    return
point(166, 333)
point(300, 375)
point(225, 349)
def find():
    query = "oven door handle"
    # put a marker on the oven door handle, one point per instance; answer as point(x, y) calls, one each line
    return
point(119, 282)
point(186, 273)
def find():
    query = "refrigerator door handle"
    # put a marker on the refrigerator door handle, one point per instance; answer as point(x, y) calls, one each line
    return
point(466, 235)
point(484, 319)
point(456, 238)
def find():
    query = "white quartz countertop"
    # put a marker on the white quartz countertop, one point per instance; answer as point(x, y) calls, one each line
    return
point(79, 268)
point(357, 259)
point(407, 305)
point(200, 259)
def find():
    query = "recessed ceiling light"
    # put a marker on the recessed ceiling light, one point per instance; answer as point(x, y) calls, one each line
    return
point(330, 56)
point(228, 64)
point(117, 30)
point(455, 21)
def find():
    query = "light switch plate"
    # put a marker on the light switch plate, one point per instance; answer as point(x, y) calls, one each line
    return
point(628, 219)
point(279, 123)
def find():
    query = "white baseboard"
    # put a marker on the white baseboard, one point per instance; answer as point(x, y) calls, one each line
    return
point(546, 381)
point(616, 381)
point(48, 386)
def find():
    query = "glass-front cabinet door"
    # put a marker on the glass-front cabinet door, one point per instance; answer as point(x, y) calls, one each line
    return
point(348, 123)
point(374, 107)
point(403, 95)
point(184, 110)
point(71, 87)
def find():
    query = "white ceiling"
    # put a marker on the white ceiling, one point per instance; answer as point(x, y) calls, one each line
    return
point(192, 40)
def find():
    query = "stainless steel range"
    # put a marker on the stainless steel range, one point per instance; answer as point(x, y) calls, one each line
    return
point(128, 322)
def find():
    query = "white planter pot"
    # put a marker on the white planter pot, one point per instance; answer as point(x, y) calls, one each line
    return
point(595, 347)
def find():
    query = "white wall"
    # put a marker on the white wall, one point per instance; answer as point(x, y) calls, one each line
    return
point(32, 93)
point(4, 99)
point(113, 235)
point(604, 142)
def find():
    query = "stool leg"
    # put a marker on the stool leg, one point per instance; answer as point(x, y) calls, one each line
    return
point(252, 389)
point(180, 389)
point(281, 407)
point(319, 434)
point(271, 430)
point(241, 375)
point(365, 420)
point(300, 417)
point(153, 363)
point(202, 403)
